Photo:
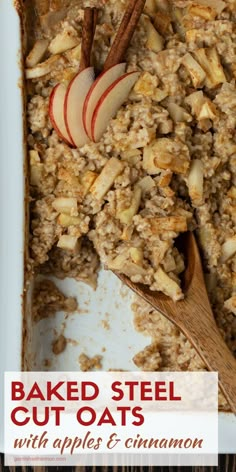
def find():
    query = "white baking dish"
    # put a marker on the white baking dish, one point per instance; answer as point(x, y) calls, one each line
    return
point(87, 331)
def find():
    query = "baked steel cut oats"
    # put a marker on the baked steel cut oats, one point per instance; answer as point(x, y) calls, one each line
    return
point(164, 165)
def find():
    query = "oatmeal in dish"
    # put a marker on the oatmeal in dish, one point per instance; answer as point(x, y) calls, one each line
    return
point(161, 164)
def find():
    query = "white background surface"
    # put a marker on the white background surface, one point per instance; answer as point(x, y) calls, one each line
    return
point(122, 341)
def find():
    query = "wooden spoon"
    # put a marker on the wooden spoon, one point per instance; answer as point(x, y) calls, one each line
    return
point(193, 316)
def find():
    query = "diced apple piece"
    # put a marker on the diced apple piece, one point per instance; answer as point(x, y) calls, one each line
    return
point(127, 233)
point(146, 84)
point(155, 42)
point(101, 84)
point(217, 5)
point(195, 100)
point(207, 111)
point(164, 153)
point(74, 103)
point(66, 205)
point(118, 262)
point(105, 180)
point(136, 254)
point(150, 7)
point(36, 174)
point(202, 11)
point(146, 184)
point(148, 162)
point(209, 60)
point(232, 192)
point(36, 168)
point(158, 253)
point(37, 52)
point(195, 71)
point(167, 285)
point(122, 264)
point(87, 180)
point(228, 249)
point(178, 114)
point(159, 95)
point(162, 22)
point(67, 220)
point(56, 112)
point(69, 243)
point(62, 42)
point(110, 102)
point(167, 223)
point(42, 69)
point(126, 216)
point(195, 182)
point(230, 304)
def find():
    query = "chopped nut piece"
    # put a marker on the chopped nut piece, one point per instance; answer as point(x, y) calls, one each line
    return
point(105, 180)
point(178, 113)
point(167, 285)
point(195, 71)
point(62, 42)
point(195, 182)
point(228, 249)
point(67, 220)
point(69, 243)
point(42, 69)
point(167, 223)
point(209, 60)
point(37, 52)
point(126, 216)
point(66, 205)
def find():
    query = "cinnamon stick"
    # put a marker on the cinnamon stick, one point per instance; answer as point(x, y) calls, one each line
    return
point(88, 32)
point(125, 33)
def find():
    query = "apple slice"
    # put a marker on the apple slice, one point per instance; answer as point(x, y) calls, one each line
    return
point(56, 112)
point(110, 102)
point(101, 84)
point(74, 103)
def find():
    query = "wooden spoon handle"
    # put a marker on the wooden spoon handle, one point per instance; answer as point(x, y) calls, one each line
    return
point(210, 345)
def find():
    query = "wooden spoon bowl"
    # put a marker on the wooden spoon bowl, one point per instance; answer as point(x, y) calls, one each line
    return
point(194, 317)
